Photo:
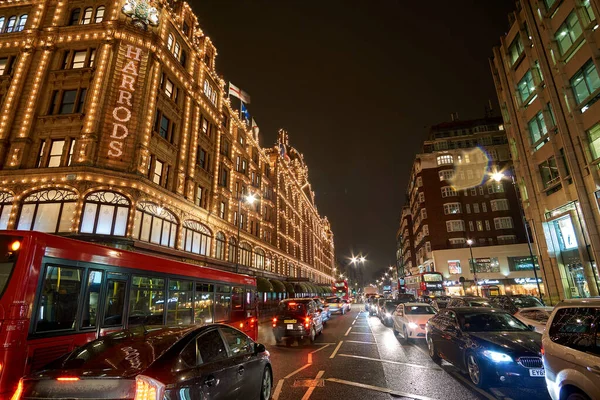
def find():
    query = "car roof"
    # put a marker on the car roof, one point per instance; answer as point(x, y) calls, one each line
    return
point(480, 310)
point(415, 304)
point(297, 300)
point(469, 298)
point(590, 301)
point(535, 309)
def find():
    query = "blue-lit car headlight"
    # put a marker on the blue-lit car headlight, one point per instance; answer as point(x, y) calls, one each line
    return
point(412, 325)
point(496, 356)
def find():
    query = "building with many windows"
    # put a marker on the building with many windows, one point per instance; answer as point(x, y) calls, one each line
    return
point(546, 75)
point(452, 201)
point(115, 127)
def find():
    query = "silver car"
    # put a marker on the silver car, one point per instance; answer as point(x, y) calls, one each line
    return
point(570, 350)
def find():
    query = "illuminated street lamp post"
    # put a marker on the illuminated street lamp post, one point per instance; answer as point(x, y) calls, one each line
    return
point(470, 243)
point(248, 200)
point(498, 176)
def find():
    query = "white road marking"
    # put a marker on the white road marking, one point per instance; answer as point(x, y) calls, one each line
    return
point(336, 349)
point(471, 385)
point(392, 362)
point(358, 341)
point(310, 357)
point(418, 348)
point(312, 388)
point(353, 322)
point(277, 391)
point(348, 331)
point(362, 333)
point(296, 371)
point(379, 389)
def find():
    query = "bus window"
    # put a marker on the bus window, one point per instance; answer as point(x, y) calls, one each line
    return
point(179, 305)
point(91, 300)
point(57, 308)
point(9, 252)
point(146, 301)
point(204, 300)
point(222, 303)
point(237, 303)
point(115, 302)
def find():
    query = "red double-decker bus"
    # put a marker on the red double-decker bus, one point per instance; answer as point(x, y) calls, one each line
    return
point(58, 293)
point(340, 289)
point(425, 284)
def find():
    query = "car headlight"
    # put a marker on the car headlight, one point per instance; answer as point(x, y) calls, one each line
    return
point(497, 356)
point(412, 325)
point(388, 315)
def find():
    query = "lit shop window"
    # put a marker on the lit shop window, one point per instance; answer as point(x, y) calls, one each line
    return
point(6, 206)
point(155, 224)
point(105, 213)
point(196, 238)
point(220, 246)
point(48, 211)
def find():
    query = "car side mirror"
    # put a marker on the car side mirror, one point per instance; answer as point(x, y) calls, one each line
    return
point(531, 328)
point(259, 348)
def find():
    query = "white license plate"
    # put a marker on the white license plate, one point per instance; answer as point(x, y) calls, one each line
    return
point(290, 326)
point(537, 372)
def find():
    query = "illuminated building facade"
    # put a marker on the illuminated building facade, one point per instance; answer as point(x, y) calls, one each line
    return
point(546, 75)
point(115, 127)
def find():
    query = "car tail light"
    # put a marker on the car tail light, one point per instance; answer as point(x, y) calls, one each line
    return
point(147, 388)
point(251, 320)
point(18, 392)
point(241, 325)
point(542, 350)
point(307, 322)
point(67, 378)
point(274, 322)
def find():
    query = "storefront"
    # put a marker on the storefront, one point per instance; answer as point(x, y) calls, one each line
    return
point(568, 239)
point(494, 287)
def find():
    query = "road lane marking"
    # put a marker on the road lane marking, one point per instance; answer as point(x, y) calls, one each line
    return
point(471, 385)
point(336, 349)
point(358, 341)
point(296, 371)
point(353, 322)
point(277, 391)
point(392, 362)
point(348, 331)
point(379, 389)
point(310, 357)
point(312, 388)
point(418, 348)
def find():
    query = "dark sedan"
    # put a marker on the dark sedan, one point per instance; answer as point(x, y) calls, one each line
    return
point(297, 319)
point(490, 345)
point(387, 310)
point(177, 363)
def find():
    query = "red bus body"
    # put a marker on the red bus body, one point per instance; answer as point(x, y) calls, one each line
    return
point(425, 284)
point(24, 350)
point(340, 289)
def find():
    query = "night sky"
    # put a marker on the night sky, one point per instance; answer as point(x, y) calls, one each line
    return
point(356, 84)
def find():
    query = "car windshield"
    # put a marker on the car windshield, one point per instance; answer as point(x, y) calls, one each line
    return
point(333, 300)
point(491, 322)
point(292, 306)
point(525, 302)
point(419, 310)
point(391, 305)
point(479, 303)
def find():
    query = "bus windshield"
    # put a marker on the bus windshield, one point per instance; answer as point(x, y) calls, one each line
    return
point(432, 277)
point(9, 252)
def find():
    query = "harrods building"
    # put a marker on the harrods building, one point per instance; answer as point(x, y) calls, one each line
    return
point(115, 127)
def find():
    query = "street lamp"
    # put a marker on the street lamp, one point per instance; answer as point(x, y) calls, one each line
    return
point(498, 176)
point(250, 199)
point(470, 243)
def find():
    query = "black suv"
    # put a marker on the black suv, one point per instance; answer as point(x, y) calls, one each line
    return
point(513, 303)
point(297, 319)
point(468, 301)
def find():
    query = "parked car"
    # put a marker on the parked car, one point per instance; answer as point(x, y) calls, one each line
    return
point(406, 298)
point(212, 361)
point(515, 302)
point(376, 308)
point(438, 304)
point(349, 303)
point(336, 304)
point(571, 352)
point(491, 345)
point(535, 316)
point(369, 301)
point(324, 309)
point(410, 319)
point(388, 310)
point(468, 301)
point(296, 319)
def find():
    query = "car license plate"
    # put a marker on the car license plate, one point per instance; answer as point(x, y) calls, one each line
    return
point(290, 326)
point(537, 372)
point(289, 321)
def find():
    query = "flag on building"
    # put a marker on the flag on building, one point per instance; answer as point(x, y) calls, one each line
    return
point(238, 93)
point(255, 129)
point(244, 114)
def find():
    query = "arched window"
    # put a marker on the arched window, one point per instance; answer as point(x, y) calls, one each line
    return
point(154, 224)
point(87, 16)
point(170, 41)
point(245, 254)
point(220, 246)
point(259, 257)
point(196, 237)
point(21, 24)
point(48, 211)
point(105, 213)
point(2, 20)
point(99, 14)
point(75, 14)
point(232, 250)
point(10, 26)
point(6, 205)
